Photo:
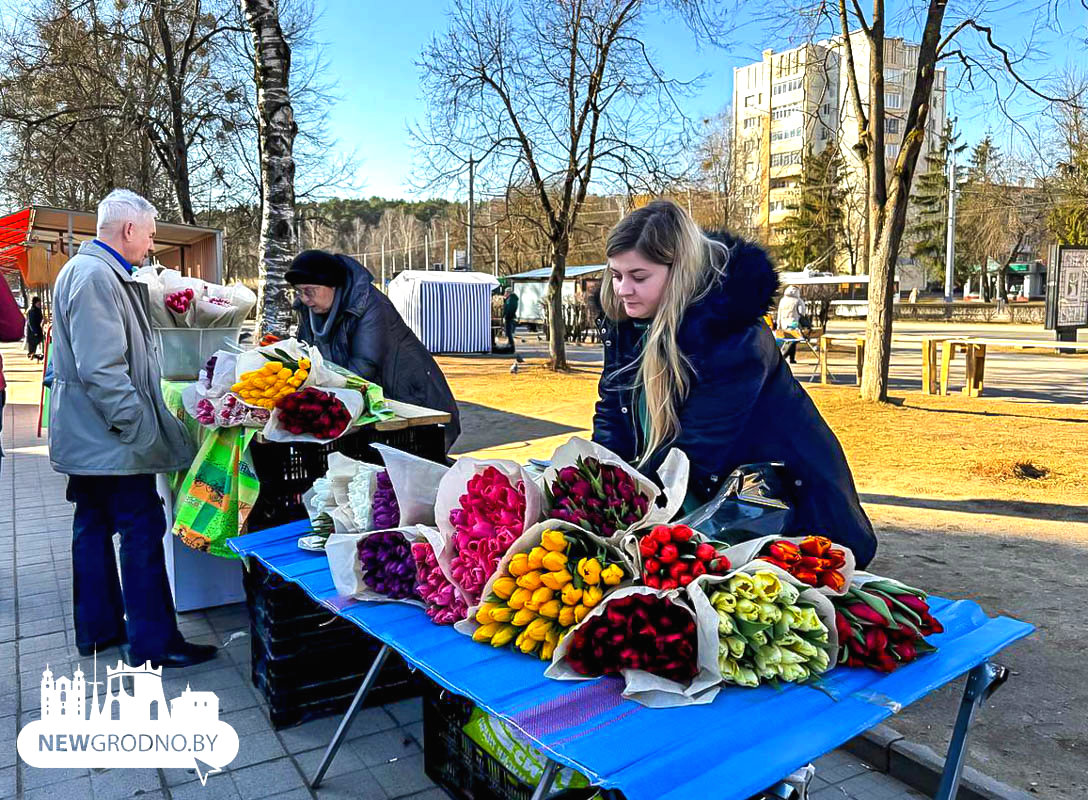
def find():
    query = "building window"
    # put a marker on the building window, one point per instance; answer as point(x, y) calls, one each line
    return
point(786, 86)
point(751, 122)
point(749, 100)
point(893, 75)
point(893, 100)
point(778, 136)
point(784, 111)
point(826, 109)
point(891, 125)
point(891, 152)
point(786, 159)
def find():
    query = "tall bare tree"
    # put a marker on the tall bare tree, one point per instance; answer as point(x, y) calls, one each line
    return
point(152, 66)
point(557, 97)
point(277, 129)
point(958, 34)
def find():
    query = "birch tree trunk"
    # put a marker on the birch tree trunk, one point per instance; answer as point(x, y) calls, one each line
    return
point(277, 129)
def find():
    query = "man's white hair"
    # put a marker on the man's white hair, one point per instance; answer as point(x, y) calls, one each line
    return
point(121, 206)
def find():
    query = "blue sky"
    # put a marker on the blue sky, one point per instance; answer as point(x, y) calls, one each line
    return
point(371, 47)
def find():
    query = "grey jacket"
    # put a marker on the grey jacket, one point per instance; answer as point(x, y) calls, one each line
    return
point(370, 338)
point(106, 413)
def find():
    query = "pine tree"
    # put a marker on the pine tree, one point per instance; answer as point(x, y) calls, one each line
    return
point(812, 232)
point(930, 227)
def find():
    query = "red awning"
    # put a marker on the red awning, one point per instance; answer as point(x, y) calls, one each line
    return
point(14, 230)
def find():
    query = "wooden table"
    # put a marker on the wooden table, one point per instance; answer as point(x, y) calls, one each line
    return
point(974, 349)
point(411, 416)
point(929, 356)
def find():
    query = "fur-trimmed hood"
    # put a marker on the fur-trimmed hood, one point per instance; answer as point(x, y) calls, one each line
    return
point(740, 297)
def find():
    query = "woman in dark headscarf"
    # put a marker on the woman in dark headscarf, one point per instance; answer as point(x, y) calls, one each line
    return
point(354, 325)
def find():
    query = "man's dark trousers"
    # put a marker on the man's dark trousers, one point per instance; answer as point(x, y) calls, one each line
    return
point(139, 607)
point(510, 323)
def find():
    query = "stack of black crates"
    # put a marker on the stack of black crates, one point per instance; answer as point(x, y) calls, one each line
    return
point(306, 661)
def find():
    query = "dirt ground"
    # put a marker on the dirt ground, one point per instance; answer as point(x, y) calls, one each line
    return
point(972, 498)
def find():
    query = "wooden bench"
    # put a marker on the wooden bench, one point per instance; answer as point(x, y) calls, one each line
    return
point(974, 349)
point(857, 341)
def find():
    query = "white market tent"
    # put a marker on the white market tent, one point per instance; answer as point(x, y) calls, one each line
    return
point(532, 288)
point(450, 312)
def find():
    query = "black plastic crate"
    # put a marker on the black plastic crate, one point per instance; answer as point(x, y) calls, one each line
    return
point(307, 662)
point(288, 470)
point(460, 766)
point(278, 600)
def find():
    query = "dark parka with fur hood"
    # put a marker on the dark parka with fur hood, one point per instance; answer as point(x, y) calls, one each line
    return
point(370, 338)
point(744, 405)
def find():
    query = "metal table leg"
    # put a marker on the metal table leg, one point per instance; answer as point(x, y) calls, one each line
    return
point(353, 709)
point(544, 788)
point(982, 681)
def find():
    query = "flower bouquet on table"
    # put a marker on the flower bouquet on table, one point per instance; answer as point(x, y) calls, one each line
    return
point(414, 484)
point(666, 652)
point(813, 560)
point(882, 623)
point(376, 565)
point(589, 486)
point(354, 494)
point(672, 556)
point(484, 506)
point(770, 627)
point(547, 582)
point(445, 602)
point(179, 301)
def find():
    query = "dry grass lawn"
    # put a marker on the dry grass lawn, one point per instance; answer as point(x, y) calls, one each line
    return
point(916, 445)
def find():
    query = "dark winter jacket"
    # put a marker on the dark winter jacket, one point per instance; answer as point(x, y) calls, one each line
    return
point(369, 338)
point(744, 405)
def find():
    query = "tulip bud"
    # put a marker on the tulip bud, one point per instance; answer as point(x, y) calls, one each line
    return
point(536, 557)
point(523, 617)
point(518, 565)
point(566, 616)
point(554, 562)
point(530, 580)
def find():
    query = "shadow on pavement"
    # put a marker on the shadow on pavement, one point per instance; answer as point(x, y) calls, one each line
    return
point(483, 427)
point(1004, 508)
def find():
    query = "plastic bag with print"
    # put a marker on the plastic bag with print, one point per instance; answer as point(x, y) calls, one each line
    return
point(703, 588)
point(415, 483)
point(484, 505)
point(578, 540)
point(616, 500)
point(645, 687)
point(342, 550)
point(745, 552)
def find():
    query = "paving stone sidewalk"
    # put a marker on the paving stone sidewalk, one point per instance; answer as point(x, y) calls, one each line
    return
point(382, 759)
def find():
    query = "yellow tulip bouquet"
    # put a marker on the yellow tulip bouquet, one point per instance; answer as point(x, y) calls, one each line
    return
point(549, 580)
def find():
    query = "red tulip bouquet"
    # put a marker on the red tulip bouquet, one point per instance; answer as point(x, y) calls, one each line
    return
point(881, 624)
point(665, 652)
point(813, 560)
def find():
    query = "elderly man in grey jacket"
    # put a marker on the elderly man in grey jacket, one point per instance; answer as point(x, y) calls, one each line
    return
point(110, 432)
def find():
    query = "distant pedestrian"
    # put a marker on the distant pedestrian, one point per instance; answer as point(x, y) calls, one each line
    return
point(111, 433)
point(790, 310)
point(913, 296)
point(35, 330)
point(510, 314)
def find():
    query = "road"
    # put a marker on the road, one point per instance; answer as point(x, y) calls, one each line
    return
point(1020, 376)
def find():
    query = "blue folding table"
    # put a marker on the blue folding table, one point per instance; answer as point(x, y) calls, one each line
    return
point(742, 743)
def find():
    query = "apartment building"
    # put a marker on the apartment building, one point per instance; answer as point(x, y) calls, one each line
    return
point(795, 102)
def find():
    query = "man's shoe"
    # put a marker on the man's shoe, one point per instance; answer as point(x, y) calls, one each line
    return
point(89, 650)
point(184, 654)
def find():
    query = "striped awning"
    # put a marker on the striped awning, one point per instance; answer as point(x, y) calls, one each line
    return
point(14, 230)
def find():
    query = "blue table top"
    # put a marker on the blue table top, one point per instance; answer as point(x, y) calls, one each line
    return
point(743, 742)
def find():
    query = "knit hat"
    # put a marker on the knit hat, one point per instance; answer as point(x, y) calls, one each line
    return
point(317, 267)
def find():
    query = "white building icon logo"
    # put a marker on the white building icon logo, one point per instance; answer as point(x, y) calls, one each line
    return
point(130, 726)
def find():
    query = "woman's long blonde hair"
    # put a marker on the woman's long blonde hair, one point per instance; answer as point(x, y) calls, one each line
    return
point(664, 233)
